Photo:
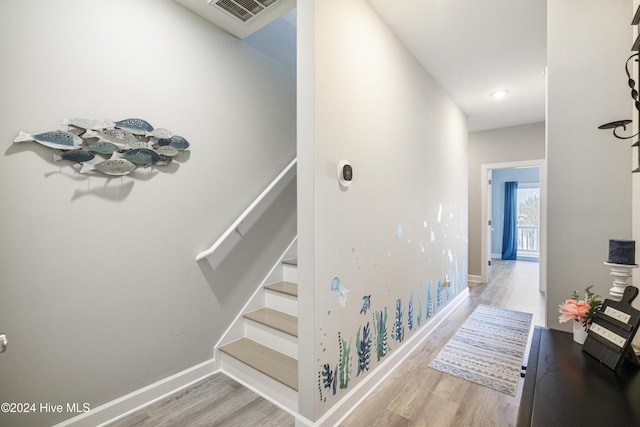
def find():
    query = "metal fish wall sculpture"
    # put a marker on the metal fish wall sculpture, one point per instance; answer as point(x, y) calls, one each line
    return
point(112, 148)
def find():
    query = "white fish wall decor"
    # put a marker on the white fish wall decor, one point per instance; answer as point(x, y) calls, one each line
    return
point(119, 137)
point(111, 148)
point(114, 167)
point(56, 139)
point(86, 123)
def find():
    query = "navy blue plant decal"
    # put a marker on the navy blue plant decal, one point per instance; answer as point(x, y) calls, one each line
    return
point(410, 313)
point(439, 294)
point(398, 328)
point(381, 334)
point(366, 303)
point(364, 348)
point(328, 377)
point(429, 301)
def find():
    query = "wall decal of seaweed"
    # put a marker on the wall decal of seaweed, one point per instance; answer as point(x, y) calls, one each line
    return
point(322, 399)
point(419, 307)
point(366, 303)
point(363, 348)
point(381, 338)
point(398, 328)
point(328, 377)
point(439, 294)
point(410, 313)
point(429, 301)
point(344, 372)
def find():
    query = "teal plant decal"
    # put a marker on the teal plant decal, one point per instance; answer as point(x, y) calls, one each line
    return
point(364, 348)
point(410, 313)
point(382, 347)
point(344, 372)
point(366, 303)
point(398, 328)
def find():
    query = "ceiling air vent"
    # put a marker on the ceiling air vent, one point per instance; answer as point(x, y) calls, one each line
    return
point(244, 10)
point(239, 17)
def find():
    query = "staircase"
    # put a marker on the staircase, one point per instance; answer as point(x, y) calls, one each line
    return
point(265, 358)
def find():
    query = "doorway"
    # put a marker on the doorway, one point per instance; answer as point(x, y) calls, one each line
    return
point(534, 240)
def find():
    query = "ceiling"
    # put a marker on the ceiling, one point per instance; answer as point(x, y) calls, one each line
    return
point(473, 48)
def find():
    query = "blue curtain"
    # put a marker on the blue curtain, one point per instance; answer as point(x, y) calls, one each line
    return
point(510, 229)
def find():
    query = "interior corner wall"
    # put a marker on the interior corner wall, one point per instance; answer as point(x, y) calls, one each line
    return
point(100, 293)
point(588, 170)
point(504, 145)
point(385, 248)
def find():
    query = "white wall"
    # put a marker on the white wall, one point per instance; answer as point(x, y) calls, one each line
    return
point(401, 227)
point(588, 170)
point(100, 293)
point(505, 145)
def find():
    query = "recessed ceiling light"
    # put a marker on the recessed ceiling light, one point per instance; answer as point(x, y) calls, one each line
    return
point(499, 94)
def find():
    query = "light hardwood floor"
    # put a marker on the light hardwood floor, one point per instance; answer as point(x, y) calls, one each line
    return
point(416, 395)
point(413, 395)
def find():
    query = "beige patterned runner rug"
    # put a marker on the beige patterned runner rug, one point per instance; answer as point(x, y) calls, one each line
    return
point(488, 349)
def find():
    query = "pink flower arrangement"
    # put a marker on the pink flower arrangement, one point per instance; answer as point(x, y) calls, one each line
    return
point(572, 309)
point(582, 311)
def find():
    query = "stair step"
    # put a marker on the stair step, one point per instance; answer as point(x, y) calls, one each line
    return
point(291, 262)
point(275, 319)
point(278, 366)
point(287, 288)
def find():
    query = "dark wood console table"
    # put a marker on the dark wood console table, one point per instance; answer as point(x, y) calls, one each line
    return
point(565, 387)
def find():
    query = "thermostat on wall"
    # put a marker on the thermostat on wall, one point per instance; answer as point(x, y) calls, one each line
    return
point(345, 173)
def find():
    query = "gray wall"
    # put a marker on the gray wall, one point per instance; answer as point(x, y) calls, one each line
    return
point(505, 145)
point(588, 170)
point(100, 294)
point(401, 227)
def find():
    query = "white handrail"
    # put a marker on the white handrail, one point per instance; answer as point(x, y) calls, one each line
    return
point(246, 212)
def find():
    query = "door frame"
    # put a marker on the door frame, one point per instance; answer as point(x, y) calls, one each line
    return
point(485, 254)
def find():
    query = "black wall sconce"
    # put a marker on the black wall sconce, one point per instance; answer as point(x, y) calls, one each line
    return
point(616, 125)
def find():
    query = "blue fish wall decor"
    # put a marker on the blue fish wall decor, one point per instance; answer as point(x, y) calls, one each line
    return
point(114, 148)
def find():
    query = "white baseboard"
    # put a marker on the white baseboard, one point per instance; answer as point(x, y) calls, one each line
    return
point(125, 405)
point(474, 279)
point(350, 402)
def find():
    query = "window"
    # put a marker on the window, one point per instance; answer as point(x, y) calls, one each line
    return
point(528, 220)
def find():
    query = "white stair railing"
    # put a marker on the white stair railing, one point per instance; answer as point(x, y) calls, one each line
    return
point(246, 212)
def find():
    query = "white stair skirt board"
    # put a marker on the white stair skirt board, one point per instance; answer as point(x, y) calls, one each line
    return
point(267, 336)
point(282, 302)
point(125, 405)
point(272, 390)
point(348, 404)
